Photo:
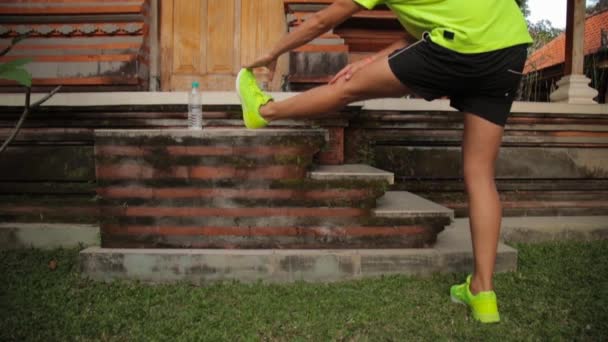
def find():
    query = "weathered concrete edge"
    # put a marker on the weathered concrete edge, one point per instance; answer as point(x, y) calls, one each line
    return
point(209, 98)
point(47, 236)
point(205, 266)
point(402, 204)
point(201, 266)
point(211, 133)
point(351, 171)
point(227, 98)
point(412, 105)
point(535, 229)
point(326, 176)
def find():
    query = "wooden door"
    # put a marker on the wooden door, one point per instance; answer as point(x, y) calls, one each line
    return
point(209, 40)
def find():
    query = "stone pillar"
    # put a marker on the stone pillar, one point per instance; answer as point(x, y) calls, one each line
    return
point(574, 86)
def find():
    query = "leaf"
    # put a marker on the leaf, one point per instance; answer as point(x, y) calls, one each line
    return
point(14, 64)
point(20, 75)
point(53, 264)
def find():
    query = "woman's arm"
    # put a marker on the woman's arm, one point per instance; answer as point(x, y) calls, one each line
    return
point(313, 27)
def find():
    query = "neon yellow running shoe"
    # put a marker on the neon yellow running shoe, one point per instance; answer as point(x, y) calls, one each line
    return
point(483, 305)
point(252, 99)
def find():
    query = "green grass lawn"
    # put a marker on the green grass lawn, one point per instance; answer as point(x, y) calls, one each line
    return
point(559, 293)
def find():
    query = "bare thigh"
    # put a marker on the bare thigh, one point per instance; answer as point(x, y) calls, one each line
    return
point(375, 80)
point(480, 146)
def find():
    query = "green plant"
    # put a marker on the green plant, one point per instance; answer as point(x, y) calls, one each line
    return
point(15, 71)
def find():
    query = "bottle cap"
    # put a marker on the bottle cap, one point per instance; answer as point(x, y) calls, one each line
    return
point(195, 84)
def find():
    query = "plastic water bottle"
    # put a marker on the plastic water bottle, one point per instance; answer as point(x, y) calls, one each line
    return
point(195, 108)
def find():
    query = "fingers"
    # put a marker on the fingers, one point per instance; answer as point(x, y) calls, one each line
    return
point(254, 65)
point(348, 71)
point(259, 62)
point(349, 75)
point(272, 67)
point(342, 73)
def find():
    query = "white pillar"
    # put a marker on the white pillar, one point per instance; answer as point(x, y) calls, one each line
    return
point(574, 86)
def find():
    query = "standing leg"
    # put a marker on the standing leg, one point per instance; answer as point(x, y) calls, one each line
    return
point(375, 80)
point(481, 143)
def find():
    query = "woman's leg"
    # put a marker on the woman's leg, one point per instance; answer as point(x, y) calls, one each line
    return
point(375, 80)
point(480, 148)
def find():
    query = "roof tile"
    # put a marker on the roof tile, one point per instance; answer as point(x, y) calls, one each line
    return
point(554, 52)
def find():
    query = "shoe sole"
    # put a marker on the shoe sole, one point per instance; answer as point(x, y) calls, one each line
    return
point(457, 301)
point(236, 86)
point(486, 319)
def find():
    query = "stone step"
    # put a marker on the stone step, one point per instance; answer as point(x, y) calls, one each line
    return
point(217, 132)
point(536, 229)
point(235, 120)
point(451, 253)
point(351, 172)
point(168, 188)
point(19, 235)
point(403, 204)
point(209, 154)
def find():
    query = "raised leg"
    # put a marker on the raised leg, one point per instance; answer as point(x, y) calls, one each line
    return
point(376, 80)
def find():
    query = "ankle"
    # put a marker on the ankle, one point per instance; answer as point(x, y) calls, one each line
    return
point(477, 285)
point(267, 111)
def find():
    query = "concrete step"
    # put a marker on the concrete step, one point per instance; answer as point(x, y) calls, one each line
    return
point(535, 229)
point(235, 120)
point(452, 253)
point(219, 133)
point(47, 235)
point(403, 204)
point(351, 172)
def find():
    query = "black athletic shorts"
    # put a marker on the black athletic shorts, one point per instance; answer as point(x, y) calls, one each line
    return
point(484, 84)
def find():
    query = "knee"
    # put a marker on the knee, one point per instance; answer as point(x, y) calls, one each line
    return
point(477, 174)
point(349, 92)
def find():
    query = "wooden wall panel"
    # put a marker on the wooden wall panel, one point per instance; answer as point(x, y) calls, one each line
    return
point(220, 32)
point(166, 43)
point(187, 36)
point(262, 25)
point(209, 40)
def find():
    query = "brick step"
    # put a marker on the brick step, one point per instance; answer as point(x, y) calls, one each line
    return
point(237, 188)
point(307, 213)
point(289, 237)
point(353, 172)
point(401, 220)
point(210, 154)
